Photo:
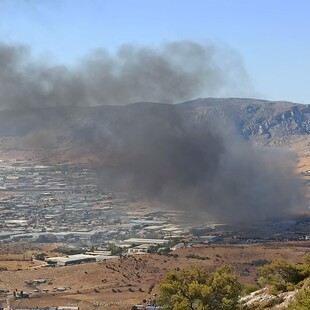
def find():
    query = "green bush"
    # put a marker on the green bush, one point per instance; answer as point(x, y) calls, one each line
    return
point(197, 288)
point(281, 275)
point(260, 262)
point(197, 257)
point(68, 250)
point(249, 288)
point(301, 300)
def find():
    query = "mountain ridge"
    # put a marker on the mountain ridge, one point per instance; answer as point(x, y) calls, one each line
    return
point(275, 123)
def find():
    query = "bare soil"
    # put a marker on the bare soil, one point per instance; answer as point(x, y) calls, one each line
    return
point(120, 283)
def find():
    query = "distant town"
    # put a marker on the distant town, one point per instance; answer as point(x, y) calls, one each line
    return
point(61, 202)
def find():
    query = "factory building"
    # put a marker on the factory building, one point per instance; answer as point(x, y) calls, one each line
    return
point(71, 260)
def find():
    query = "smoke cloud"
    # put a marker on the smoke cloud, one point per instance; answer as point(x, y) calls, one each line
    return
point(155, 150)
point(199, 167)
point(171, 73)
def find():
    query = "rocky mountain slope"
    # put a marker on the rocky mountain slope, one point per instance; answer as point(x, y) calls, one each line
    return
point(260, 121)
point(257, 120)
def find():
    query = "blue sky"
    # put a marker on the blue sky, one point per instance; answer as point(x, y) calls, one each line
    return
point(271, 36)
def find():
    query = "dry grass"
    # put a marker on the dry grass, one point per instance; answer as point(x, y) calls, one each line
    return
point(117, 284)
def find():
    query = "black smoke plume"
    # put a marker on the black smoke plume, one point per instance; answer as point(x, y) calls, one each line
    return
point(201, 168)
point(171, 73)
point(154, 150)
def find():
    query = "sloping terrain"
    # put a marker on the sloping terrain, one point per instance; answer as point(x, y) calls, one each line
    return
point(85, 133)
point(257, 120)
point(120, 283)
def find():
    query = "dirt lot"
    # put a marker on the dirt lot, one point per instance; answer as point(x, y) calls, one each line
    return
point(119, 283)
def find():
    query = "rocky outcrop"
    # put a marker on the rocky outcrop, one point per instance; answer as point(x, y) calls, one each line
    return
point(257, 120)
point(261, 299)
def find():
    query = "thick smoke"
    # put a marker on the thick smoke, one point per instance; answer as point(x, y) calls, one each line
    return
point(171, 73)
point(199, 168)
point(155, 150)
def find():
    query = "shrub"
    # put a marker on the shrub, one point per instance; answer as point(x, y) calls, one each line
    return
point(281, 275)
point(260, 262)
point(197, 257)
point(301, 300)
point(197, 288)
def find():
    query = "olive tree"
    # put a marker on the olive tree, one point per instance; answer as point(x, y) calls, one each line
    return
point(196, 288)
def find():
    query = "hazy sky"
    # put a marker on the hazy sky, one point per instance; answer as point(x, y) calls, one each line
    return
point(271, 36)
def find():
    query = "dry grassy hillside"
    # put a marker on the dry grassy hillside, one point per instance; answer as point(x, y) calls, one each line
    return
point(119, 283)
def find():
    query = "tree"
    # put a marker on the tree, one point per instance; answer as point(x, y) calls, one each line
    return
point(115, 250)
point(282, 275)
point(306, 266)
point(301, 300)
point(196, 288)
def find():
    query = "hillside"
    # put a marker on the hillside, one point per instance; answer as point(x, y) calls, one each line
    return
point(271, 123)
point(118, 284)
point(72, 132)
point(257, 120)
